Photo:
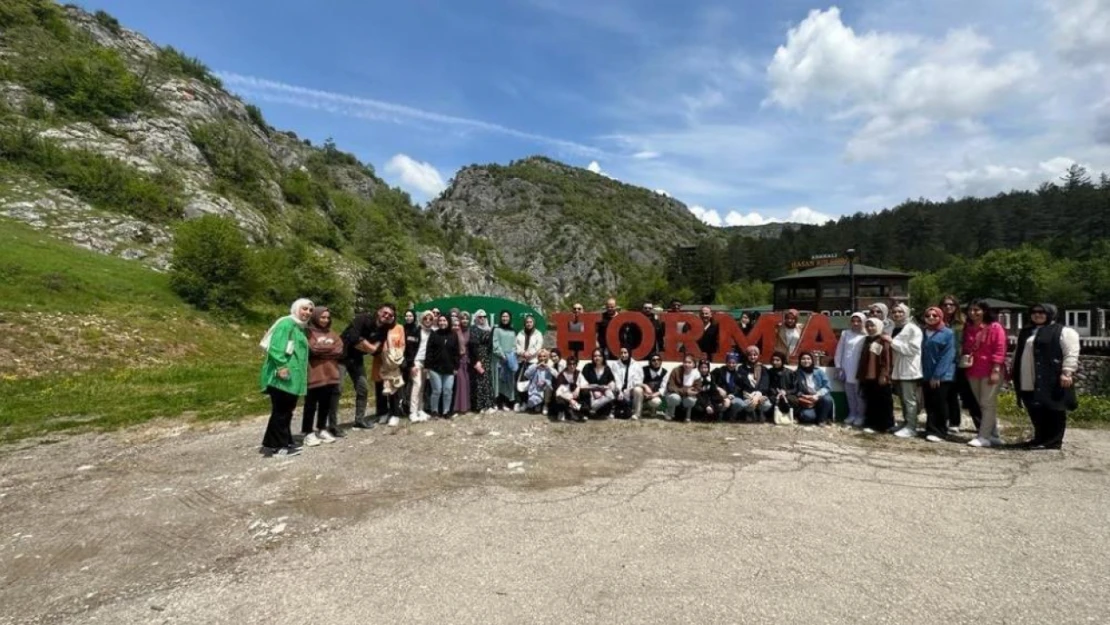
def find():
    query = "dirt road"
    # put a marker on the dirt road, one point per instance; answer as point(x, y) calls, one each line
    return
point(509, 519)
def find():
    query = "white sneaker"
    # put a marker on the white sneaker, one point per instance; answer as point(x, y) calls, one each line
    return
point(933, 438)
point(906, 433)
point(311, 440)
point(325, 436)
point(869, 431)
point(394, 421)
point(425, 416)
point(518, 408)
point(953, 430)
point(979, 442)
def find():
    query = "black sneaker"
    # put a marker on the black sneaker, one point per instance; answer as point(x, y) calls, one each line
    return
point(288, 452)
point(364, 425)
point(337, 432)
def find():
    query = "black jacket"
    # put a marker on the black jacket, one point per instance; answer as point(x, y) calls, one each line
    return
point(443, 352)
point(1048, 364)
point(710, 340)
point(412, 343)
point(363, 326)
point(748, 386)
point(730, 384)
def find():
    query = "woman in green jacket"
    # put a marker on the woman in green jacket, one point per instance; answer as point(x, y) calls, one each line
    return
point(285, 376)
point(504, 361)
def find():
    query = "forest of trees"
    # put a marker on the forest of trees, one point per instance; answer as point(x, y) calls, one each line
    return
point(1024, 246)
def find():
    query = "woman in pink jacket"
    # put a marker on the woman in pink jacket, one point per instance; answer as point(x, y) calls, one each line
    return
point(982, 358)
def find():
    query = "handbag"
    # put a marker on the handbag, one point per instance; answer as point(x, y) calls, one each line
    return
point(782, 417)
point(511, 363)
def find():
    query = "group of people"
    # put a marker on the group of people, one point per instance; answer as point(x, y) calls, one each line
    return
point(436, 364)
point(957, 357)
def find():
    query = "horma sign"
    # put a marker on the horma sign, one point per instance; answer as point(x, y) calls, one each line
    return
point(682, 330)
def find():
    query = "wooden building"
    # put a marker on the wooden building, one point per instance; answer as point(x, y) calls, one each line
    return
point(826, 289)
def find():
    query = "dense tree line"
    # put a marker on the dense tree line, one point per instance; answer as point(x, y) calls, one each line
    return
point(1020, 245)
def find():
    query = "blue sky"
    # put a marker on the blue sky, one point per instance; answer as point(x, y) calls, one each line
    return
point(746, 111)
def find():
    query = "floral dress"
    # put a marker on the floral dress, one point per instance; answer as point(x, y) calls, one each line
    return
point(480, 350)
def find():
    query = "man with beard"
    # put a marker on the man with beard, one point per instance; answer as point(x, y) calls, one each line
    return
point(576, 325)
point(710, 337)
point(603, 329)
point(386, 368)
point(789, 334)
point(362, 336)
point(629, 378)
point(632, 337)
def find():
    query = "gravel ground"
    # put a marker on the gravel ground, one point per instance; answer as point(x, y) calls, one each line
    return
point(510, 519)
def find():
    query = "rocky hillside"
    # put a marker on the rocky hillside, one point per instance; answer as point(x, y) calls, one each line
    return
point(107, 140)
point(579, 234)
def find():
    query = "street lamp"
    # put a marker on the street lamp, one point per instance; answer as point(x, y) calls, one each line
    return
point(851, 254)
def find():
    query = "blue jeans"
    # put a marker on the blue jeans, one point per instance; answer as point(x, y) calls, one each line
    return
point(443, 391)
point(821, 412)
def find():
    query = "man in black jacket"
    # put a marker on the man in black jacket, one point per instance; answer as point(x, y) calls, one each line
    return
point(362, 336)
point(711, 335)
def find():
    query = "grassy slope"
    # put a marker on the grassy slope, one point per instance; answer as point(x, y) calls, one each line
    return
point(108, 344)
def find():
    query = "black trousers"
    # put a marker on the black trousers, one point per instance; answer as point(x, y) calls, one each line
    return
point(317, 408)
point(282, 405)
point(961, 394)
point(1048, 425)
point(937, 404)
point(880, 405)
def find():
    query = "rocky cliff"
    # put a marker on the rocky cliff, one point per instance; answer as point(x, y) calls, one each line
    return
point(82, 97)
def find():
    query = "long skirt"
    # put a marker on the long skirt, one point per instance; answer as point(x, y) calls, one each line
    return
point(483, 388)
point(462, 385)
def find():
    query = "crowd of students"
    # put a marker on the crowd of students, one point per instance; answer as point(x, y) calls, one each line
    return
point(435, 364)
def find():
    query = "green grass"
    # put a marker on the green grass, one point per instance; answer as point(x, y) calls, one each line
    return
point(208, 367)
point(42, 274)
point(120, 397)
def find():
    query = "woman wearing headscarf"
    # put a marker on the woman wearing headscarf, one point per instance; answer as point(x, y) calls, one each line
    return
point(480, 349)
point(938, 368)
point(710, 404)
point(961, 390)
point(284, 376)
point(1046, 358)
point(504, 361)
point(781, 384)
point(527, 347)
point(815, 403)
point(875, 366)
point(982, 358)
point(412, 344)
point(442, 362)
point(848, 351)
point(462, 375)
point(881, 312)
point(419, 370)
point(325, 349)
point(905, 343)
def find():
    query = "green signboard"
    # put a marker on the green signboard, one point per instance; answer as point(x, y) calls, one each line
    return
point(492, 305)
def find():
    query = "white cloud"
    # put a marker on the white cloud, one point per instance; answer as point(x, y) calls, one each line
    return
point(707, 215)
point(645, 155)
point(900, 85)
point(991, 179)
point(416, 175)
point(378, 110)
point(1082, 30)
point(595, 167)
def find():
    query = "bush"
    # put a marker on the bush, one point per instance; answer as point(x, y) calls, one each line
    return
point(255, 115)
point(34, 13)
point(301, 189)
point(241, 165)
point(310, 225)
point(85, 81)
point(293, 271)
point(102, 181)
point(106, 20)
point(175, 62)
point(1094, 410)
point(212, 266)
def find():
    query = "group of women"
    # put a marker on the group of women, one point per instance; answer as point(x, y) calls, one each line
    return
point(471, 366)
point(959, 357)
